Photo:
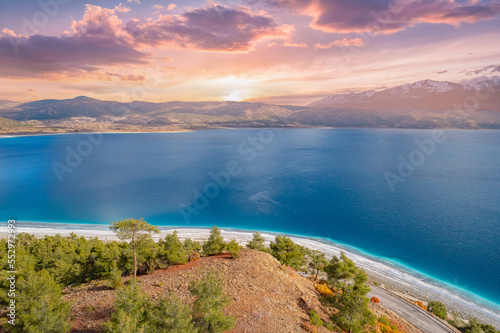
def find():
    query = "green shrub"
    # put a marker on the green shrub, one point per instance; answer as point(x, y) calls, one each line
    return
point(257, 243)
point(115, 280)
point(234, 248)
point(173, 250)
point(384, 320)
point(215, 243)
point(315, 319)
point(329, 326)
point(39, 305)
point(209, 303)
point(437, 308)
point(287, 252)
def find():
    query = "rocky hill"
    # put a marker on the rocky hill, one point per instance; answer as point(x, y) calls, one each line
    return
point(266, 297)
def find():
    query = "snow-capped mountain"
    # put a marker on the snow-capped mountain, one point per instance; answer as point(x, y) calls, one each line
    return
point(421, 95)
point(426, 85)
point(342, 98)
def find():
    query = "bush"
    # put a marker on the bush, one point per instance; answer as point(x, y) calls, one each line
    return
point(173, 250)
point(192, 246)
point(130, 310)
point(287, 252)
point(437, 308)
point(234, 248)
point(39, 305)
point(209, 303)
point(115, 280)
point(257, 243)
point(421, 305)
point(169, 315)
point(329, 326)
point(324, 290)
point(194, 256)
point(315, 319)
point(215, 243)
point(384, 320)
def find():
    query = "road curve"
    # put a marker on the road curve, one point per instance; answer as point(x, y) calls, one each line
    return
point(412, 313)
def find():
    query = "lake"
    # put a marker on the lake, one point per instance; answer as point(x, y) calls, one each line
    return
point(429, 200)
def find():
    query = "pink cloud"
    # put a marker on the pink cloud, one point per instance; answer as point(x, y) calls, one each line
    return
point(358, 42)
point(346, 42)
point(101, 39)
point(387, 16)
point(215, 28)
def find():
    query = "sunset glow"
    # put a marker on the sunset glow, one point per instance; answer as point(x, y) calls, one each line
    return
point(283, 51)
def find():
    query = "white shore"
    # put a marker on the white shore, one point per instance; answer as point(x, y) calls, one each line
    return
point(395, 277)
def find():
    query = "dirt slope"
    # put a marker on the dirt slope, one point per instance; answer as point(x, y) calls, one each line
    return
point(265, 297)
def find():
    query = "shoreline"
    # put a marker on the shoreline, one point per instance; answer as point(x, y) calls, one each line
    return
point(28, 134)
point(398, 278)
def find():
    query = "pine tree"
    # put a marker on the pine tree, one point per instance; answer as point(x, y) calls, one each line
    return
point(215, 243)
point(174, 250)
point(136, 231)
point(234, 248)
point(287, 252)
point(318, 261)
point(169, 315)
point(257, 242)
point(209, 303)
point(130, 310)
point(39, 305)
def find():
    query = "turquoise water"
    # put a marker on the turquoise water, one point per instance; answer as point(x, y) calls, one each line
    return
point(441, 218)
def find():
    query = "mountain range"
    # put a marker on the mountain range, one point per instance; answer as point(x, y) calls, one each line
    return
point(423, 104)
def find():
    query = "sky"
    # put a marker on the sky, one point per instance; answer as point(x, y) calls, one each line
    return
point(275, 51)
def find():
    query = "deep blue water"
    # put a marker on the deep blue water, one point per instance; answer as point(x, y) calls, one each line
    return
point(443, 220)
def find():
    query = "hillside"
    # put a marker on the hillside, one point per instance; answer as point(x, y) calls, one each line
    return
point(264, 296)
point(7, 125)
point(423, 104)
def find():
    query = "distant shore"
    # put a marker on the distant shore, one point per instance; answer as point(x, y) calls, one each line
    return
point(406, 283)
point(23, 134)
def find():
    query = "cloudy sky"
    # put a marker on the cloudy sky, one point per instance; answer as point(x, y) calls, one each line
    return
point(280, 51)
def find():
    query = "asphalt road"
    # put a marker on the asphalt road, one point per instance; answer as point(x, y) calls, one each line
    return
point(412, 313)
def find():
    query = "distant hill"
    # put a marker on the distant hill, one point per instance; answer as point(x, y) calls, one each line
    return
point(423, 104)
point(427, 95)
point(7, 104)
point(7, 125)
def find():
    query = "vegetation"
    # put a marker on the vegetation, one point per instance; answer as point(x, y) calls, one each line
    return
point(437, 308)
point(46, 265)
point(136, 231)
point(354, 314)
point(384, 320)
point(170, 315)
point(173, 250)
point(324, 290)
point(191, 246)
point(257, 242)
point(318, 261)
point(135, 312)
point(39, 305)
point(215, 243)
point(287, 252)
point(131, 307)
point(209, 302)
point(315, 319)
point(233, 248)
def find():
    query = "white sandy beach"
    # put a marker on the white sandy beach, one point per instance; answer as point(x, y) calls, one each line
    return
point(396, 278)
